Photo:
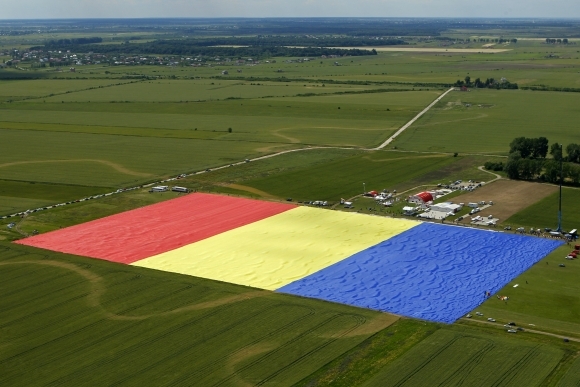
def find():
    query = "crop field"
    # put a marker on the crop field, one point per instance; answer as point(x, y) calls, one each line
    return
point(204, 90)
point(101, 323)
point(493, 120)
point(572, 377)
point(449, 357)
point(24, 89)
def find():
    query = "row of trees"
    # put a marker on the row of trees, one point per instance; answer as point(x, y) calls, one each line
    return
point(556, 41)
point(542, 169)
point(488, 83)
point(527, 161)
point(185, 47)
point(61, 42)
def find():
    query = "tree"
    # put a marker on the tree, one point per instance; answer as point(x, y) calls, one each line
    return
point(523, 146)
point(552, 171)
point(574, 173)
point(467, 80)
point(556, 151)
point(539, 147)
point(573, 151)
point(525, 169)
point(512, 167)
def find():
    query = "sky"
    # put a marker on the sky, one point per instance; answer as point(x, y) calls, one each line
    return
point(60, 9)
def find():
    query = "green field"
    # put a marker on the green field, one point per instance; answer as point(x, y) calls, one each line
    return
point(452, 357)
point(545, 212)
point(547, 297)
point(493, 120)
point(18, 195)
point(105, 160)
point(24, 89)
point(67, 135)
point(572, 377)
point(362, 120)
point(203, 90)
point(73, 321)
point(526, 64)
point(345, 178)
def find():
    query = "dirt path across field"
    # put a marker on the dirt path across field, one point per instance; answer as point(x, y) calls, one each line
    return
point(99, 288)
point(117, 167)
point(508, 196)
point(525, 329)
point(249, 189)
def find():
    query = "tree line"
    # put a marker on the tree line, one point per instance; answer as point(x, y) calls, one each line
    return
point(527, 160)
point(489, 83)
point(304, 41)
point(188, 47)
point(74, 41)
point(556, 41)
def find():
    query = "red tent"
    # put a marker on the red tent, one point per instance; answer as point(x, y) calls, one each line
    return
point(425, 197)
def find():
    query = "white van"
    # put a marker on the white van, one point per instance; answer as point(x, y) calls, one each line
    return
point(159, 188)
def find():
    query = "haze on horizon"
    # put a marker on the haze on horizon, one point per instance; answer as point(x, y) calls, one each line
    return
point(63, 9)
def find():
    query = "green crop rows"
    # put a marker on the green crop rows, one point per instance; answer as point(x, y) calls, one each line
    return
point(75, 322)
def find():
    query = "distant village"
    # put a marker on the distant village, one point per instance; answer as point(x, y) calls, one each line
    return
point(41, 58)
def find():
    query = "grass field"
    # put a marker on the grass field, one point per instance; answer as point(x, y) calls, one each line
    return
point(454, 357)
point(345, 178)
point(572, 377)
point(104, 160)
point(362, 120)
point(101, 323)
point(544, 213)
point(196, 90)
point(22, 89)
point(547, 296)
point(493, 120)
point(18, 195)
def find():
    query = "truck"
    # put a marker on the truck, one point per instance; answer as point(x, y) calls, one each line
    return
point(180, 189)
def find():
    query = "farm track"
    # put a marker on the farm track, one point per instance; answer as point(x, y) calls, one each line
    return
point(536, 331)
point(124, 170)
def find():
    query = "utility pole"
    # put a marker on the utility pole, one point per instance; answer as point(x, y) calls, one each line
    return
point(561, 179)
point(364, 188)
